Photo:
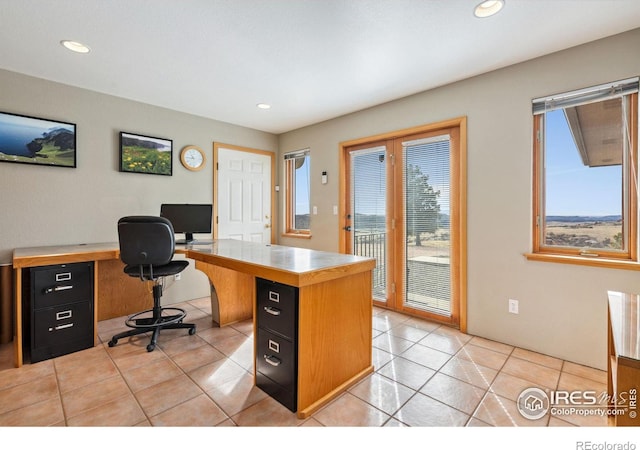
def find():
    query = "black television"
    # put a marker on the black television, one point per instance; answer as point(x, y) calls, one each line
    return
point(188, 219)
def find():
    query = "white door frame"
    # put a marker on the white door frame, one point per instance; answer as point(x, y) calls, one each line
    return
point(272, 155)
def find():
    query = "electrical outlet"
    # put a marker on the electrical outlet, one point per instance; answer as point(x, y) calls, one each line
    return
point(513, 306)
point(177, 276)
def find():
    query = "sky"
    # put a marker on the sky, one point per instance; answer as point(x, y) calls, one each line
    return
point(573, 189)
point(302, 188)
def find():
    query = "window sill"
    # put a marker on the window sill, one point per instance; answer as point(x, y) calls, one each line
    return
point(585, 261)
point(297, 235)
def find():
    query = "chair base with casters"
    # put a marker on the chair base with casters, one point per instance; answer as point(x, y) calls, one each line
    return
point(154, 320)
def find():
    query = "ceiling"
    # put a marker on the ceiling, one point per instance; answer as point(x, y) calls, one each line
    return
point(312, 60)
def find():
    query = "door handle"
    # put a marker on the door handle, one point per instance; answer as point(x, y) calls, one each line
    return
point(347, 228)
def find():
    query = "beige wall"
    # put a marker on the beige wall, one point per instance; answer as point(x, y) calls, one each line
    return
point(562, 307)
point(51, 206)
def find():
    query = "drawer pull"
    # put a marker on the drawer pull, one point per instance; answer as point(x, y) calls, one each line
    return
point(58, 289)
point(274, 296)
point(64, 315)
point(61, 327)
point(273, 345)
point(65, 276)
point(271, 310)
point(275, 362)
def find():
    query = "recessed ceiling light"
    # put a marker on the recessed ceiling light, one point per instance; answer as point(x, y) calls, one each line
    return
point(263, 106)
point(75, 46)
point(488, 8)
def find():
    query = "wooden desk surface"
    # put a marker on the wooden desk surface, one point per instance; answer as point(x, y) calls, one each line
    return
point(62, 254)
point(290, 265)
point(625, 323)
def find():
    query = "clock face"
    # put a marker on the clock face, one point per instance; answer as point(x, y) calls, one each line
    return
point(192, 158)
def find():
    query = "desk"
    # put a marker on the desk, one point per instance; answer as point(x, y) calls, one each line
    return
point(623, 361)
point(335, 301)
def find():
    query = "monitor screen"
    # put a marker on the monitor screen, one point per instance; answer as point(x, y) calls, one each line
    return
point(188, 219)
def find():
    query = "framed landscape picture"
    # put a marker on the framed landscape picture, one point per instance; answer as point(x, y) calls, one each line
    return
point(30, 140)
point(145, 154)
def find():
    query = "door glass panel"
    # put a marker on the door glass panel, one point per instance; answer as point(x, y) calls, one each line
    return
point(369, 211)
point(426, 181)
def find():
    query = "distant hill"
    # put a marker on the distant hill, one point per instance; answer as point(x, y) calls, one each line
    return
point(378, 222)
point(580, 219)
point(144, 143)
point(58, 137)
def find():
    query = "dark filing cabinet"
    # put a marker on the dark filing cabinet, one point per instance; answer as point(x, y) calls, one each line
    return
point(277, 341)
point(59, 309)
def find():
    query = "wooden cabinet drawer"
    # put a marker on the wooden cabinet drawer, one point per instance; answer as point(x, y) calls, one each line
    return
point(61, 284)
point(277, 307)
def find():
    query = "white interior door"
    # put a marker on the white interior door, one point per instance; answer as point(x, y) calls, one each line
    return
point(243, 194)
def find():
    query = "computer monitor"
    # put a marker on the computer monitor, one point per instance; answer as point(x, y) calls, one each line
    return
point(188, 219)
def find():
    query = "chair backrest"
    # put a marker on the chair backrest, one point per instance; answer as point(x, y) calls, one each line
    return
point(146, 240)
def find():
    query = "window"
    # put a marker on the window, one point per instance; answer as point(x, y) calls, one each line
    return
point(585, 173)
point(297, 220)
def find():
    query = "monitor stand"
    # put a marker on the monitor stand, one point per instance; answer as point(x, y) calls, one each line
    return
point(188, 239)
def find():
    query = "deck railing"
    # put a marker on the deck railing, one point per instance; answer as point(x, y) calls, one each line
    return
point(420, 292)
point(373, 245)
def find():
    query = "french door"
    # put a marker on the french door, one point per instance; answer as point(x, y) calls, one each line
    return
point(403, 203)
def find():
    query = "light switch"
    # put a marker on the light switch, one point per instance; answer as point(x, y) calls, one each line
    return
point(315, 210)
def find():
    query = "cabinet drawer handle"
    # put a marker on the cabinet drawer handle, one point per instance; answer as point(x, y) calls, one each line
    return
point(65, 276)
point(271, 310)
point(274, 296)
point(58, 288)
point(61, 327)
point(64, 314)
point(275, 362)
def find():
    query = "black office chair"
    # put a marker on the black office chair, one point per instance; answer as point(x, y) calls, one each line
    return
point(147, 245)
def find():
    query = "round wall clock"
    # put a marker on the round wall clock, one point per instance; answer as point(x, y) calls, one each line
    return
point(192, 157)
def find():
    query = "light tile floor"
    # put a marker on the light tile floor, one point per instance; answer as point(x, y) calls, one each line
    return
point(426, 375)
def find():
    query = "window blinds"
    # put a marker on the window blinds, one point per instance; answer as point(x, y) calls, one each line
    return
point(588, 95)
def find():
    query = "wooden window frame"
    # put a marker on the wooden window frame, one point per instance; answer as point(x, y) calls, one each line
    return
point(599, 257)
